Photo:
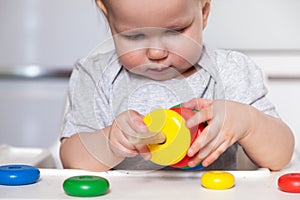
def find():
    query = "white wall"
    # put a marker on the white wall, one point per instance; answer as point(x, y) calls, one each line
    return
point(48, 32)
point(58, 32)
point(51, 35)
point(31, 111)
point(254, 24)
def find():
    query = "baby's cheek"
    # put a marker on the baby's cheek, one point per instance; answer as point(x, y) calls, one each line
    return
point(186, 54)
point(132, 60)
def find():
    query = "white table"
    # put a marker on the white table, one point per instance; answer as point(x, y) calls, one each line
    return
point(259, 184)
point(154, 185)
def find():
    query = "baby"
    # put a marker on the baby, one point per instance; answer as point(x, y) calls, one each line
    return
point(160, 61)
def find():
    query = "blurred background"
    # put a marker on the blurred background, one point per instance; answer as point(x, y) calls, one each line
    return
point(40, 40)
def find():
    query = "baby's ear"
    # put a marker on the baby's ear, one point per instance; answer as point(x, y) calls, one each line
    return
point(102, 6)
point(205, 11)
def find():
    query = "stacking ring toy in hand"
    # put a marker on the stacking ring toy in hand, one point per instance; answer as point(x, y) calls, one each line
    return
point(289, 182)
point(178, 137)
point(86, 186)
point(18, 174)
point(194, 131)
point(217, 180)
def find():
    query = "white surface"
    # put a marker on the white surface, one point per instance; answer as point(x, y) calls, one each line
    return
point(50, 33)
point(155, 185)
point(277, 63)
point(29, 156)
point(31, 111)
point(255, 24)
point(260, 184)
point(58, 32)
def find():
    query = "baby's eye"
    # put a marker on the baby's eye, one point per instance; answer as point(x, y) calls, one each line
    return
point(175, 31)
point(135, 36)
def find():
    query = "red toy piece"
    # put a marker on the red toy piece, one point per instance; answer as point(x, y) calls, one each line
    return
point(289, 182)
point(186, 114)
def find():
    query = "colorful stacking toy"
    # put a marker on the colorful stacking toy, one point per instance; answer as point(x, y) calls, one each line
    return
point(86, 186)
point(217, 180)
point(194, 131)
point(18, 174)
point(178, 138)
point(289, 182)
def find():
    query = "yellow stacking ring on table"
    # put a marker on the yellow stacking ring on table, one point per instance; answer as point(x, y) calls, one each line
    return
point(178, 136)
point(217, 180)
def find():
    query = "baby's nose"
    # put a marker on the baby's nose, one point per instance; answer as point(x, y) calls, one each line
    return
point(157, 54)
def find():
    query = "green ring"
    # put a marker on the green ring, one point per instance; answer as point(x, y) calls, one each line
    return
point(179, 106)
point(86, 186)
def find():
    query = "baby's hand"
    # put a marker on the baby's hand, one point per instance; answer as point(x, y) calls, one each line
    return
point(227, 121)
point(128, 123)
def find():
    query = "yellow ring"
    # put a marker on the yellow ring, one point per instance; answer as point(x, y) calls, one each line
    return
point(217, 180)
point(178, 137)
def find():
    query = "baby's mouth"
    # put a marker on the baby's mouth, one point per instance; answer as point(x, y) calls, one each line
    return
point(159, 69)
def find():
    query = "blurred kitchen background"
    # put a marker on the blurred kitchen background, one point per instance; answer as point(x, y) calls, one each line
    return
point(40, 40)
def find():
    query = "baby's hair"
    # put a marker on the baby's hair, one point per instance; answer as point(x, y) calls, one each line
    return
point(104, 2)
point(101, 15)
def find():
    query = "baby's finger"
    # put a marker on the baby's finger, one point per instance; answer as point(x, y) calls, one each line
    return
point(131, 124)
point(214, 155)
point(201, 155)
point(125, 127)
point(119, 141)
point(202, 140)
point(204, 115)
point(135, 121)
point(144, 151)
point(197, 103)
point(123, 151)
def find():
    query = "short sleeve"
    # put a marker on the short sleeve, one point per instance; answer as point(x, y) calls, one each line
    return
point(86, 99)
point(243, 82)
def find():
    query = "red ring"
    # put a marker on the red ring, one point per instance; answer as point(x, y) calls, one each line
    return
point(186, 114)
point(289, 182)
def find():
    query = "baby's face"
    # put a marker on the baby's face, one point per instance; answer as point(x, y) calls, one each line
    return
point(158, 39)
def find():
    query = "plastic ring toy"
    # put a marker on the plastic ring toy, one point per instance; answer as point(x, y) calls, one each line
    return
point(194, 132)
point(178, 137)
point(217, 180)
point(289, 182)
point(197, 167)
point(86, 186)
point(186, 114)
point(18, 174)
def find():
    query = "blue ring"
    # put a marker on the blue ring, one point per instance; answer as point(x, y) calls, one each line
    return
point(197, 167)
point(18, 174)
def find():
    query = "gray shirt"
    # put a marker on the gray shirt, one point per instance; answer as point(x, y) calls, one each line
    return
point(100, 89)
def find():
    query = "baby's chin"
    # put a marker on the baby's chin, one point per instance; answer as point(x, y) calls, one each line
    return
point(169, 73)
point(161, 76)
